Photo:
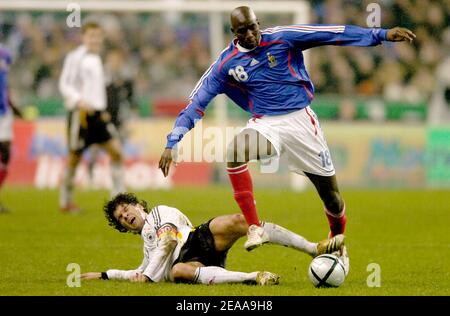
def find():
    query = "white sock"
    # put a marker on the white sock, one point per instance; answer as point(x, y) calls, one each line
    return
point(216, 275)
point(117, 178)
point(66, 190)
point(281, 236)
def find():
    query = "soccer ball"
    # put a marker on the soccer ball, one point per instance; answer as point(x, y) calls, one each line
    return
point(326, 271)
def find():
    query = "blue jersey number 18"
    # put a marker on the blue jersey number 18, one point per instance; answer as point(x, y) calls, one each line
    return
point(238, 73)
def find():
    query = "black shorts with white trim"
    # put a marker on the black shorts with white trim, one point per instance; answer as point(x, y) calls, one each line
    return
point(87, 128)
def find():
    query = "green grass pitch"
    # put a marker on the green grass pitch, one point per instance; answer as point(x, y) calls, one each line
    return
point(405, 232)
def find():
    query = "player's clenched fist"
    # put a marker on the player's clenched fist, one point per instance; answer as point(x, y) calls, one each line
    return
point(165, 161)
point(400, 34)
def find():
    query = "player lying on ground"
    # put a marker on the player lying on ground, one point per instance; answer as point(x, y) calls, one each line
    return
point(176, 251)
point(264, 73)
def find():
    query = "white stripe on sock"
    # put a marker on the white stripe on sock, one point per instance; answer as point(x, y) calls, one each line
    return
point(236, 168)
point(339, 215)
point(237, 172)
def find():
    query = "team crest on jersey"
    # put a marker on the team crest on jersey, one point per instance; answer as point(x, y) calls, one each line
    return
point(272, 60)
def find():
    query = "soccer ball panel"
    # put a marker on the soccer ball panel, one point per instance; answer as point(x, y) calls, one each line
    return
point(326, 270)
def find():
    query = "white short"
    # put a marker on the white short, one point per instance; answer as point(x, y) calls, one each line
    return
point(6, 123)
point(297, 136)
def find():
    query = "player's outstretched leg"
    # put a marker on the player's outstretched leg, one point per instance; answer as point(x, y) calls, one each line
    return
point(195, 272)
point(217, 275)
point(281, 236)
point(227, 229)
point(244, 148)
point(334, 205)
point(66, 203)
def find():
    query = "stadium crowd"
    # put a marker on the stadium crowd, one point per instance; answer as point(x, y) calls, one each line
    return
point(166, 54)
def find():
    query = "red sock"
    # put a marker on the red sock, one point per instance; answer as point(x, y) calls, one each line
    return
point(337, 222)
point(243, 193)
point(3, 173)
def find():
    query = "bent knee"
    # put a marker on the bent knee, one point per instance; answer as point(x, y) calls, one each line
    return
point(74, 158)
point(237, 223)
point(182, 272)
point(177, 271)
point(116, 155)
point(238, 219)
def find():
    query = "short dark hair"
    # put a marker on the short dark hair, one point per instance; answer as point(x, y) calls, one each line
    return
point(90, 25)
point(120, 199)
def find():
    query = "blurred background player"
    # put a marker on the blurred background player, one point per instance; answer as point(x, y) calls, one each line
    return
point(82, 84)
point(439, 112)
point(119, 91)
point(120, 102)
point(264, 73)
point(7, 109)
point(176, 251)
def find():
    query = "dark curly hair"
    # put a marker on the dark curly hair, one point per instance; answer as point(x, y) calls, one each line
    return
point(119, 199)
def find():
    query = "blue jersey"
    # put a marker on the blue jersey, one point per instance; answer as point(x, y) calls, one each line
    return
point(5, 62)
point(270, 79)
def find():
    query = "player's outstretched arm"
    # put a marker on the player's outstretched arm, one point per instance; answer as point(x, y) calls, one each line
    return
point(309, 36)
point(135, 277)
point(400, 34)
point(114, 274)
point(91, 276)
point(129, 275)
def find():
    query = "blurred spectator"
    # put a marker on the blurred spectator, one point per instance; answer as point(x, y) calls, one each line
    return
point(347, 109)
point(405, 73)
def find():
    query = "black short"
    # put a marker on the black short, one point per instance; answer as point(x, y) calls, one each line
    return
point(86, 129)
point(200, 247)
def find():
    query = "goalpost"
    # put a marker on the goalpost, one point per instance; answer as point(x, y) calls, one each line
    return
point(214, 8)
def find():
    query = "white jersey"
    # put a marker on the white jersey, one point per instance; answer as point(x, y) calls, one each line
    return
point(157, 263)
point(82, 78)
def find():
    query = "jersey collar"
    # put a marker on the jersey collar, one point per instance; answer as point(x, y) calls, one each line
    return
point(243, 49)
